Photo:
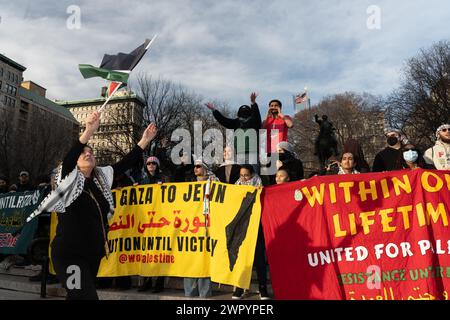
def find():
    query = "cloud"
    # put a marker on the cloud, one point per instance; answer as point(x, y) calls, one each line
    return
point(224, 50)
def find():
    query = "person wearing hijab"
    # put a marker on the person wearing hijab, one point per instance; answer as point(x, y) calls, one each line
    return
point(288, 160)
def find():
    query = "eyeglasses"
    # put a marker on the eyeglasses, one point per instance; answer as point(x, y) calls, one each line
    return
point(445, 129)
point(198, 166)
point(153, 163)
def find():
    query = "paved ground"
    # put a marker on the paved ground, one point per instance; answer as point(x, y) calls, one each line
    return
point(117, 295)
point(19, 295)
point(15, 285)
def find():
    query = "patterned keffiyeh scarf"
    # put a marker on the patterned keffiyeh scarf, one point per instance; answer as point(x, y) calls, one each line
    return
point(69, 188)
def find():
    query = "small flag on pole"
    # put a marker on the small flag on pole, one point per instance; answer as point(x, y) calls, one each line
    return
point(300, 98)
point(112, 87)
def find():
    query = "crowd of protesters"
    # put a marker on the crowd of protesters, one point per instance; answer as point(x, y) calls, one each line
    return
point(240, 166)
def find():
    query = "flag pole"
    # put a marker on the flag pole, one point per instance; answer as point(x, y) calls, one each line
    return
point(109, 98)
point(293, 100)
point(151, 41)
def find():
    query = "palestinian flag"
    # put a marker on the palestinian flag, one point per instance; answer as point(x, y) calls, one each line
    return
point(112, 88)
point(116, 67)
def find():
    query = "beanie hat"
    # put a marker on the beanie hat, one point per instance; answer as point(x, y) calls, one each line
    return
point(153, 159)
point(286, 146)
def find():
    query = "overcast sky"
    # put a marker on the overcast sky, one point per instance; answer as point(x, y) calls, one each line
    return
point(225, 49)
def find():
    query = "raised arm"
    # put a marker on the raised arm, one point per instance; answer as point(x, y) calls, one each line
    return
point(223, 121)
point(71, 158)
point(255, 109)
point(135, 155)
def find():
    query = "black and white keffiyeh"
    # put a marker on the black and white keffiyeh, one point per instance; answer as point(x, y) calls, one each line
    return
point(69, 188)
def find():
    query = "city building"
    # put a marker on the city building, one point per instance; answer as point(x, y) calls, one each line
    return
point(35, 131)
point(11, 76)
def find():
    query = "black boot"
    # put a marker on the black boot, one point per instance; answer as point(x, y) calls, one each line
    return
point(159, 285)
point(147, 285)
point(123, 283)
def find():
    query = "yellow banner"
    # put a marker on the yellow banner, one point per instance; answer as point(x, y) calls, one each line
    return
point(161, 230)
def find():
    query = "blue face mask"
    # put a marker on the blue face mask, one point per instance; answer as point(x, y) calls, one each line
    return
point(410, 156)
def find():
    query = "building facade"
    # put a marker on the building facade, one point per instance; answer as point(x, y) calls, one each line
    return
point(34, 131)
point(34, 104)
point(11, 76)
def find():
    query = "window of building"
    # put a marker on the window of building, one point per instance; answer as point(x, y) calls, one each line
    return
point(23, 115)
point(24, 105)
point(11, 89)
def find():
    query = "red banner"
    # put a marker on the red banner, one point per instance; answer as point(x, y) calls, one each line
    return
point(381, 236)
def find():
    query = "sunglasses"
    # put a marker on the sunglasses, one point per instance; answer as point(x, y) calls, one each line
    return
point(198, 166)
point(445, 129)
point(154, 163)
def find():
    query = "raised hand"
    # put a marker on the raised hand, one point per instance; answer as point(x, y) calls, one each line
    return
point(92, 124)
point(210, 106)
point(148, 135)
point(93, 121)
point(253, 97)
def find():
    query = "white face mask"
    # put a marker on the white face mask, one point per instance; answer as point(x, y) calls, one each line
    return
point(410, 156)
